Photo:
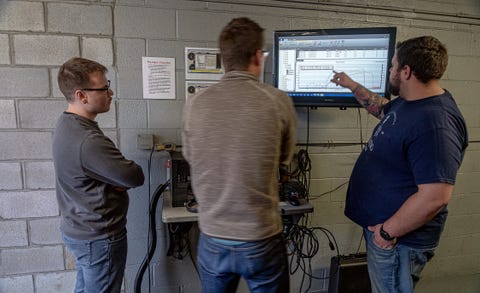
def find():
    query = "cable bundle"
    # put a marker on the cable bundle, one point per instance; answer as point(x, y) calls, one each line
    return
point(302, 246)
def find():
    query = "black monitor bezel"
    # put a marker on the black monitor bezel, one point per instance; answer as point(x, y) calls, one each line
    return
point(342, 100)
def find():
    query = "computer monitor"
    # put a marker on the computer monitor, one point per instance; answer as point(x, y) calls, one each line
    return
point(304, 62)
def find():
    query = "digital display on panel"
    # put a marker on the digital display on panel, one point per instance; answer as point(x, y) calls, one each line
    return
point(304, 62)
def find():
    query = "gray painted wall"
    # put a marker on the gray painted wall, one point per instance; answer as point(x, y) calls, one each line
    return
point(37, 36)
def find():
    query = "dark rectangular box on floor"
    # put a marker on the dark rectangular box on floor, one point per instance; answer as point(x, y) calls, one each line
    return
point(349, 274)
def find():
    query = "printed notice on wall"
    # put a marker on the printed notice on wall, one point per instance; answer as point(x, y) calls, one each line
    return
point(158, 78)
point(203, 64)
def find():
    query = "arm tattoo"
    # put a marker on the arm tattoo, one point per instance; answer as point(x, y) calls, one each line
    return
point(371, 101)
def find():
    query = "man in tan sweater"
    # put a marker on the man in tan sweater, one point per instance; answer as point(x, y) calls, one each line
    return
point(235, 135)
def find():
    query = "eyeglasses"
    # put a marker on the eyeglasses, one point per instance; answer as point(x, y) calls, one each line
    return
point(106, 89)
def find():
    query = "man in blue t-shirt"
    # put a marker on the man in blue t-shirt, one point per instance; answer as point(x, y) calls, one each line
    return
point(403, 179)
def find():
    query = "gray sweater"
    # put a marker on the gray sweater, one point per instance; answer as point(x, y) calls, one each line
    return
point(88, 167)
point(235, 134)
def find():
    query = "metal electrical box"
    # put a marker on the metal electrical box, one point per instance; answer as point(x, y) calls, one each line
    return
point(178, 170)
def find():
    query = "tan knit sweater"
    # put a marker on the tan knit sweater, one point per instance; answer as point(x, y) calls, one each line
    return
point(235, 134)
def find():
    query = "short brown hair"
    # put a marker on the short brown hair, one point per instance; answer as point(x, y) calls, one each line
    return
point(426, 56)
point(75, 74)
point(239, 41)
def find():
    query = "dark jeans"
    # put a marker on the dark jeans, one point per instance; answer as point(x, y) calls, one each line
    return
point(263, 264)
point(100, 263)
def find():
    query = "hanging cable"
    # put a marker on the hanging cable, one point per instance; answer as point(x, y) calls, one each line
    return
point(153, 242)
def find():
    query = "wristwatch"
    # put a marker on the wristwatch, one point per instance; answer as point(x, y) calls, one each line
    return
point(385, 234)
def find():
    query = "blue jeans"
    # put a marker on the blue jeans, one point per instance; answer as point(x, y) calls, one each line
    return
point(395, 270)
point(100, 263)
point(263, 264)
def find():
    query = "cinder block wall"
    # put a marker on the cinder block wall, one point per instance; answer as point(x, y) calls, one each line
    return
point(37, 36)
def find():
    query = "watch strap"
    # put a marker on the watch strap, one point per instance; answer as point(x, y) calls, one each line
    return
point(385, 234)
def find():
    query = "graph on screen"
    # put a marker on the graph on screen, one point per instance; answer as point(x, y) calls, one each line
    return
point(318, 77)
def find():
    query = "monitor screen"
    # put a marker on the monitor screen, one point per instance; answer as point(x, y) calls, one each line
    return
point(304, 62)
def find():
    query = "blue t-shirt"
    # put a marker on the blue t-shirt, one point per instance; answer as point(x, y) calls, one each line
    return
point(417, 142)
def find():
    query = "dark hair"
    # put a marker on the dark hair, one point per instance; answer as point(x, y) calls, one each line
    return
point(426, 56)
point(239, 41)
point(75, 74)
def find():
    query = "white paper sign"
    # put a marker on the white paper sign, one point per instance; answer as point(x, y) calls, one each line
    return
point(158, 78)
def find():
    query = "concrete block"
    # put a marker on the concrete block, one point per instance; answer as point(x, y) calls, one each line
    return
point(328, 189)
point(44, 50)
point(40, 113)
point(329, 212)
point(470, 113)
point(130, 52)
point(131, 2)
point(476, 44)
point(197, 25)
point(129, 61)
point(449, 7)
point(28, 204)
point(326, 118)
point(24, 82)
point(464, 92)
point(165, 113)
point(180, 84)
point(10, 176)
point(26, 145)
point(14, 233)
point(130, 83)
point(469, 282)
point(332, 165)
point(148, 22)
point(8, 117)
point(12, 16)
point(39, 175)
point(4, 49)
point(458, 43)
point(128, 141)
point(177, 4)
point(45, 231)
point(463, 68)
point(467, 183)
point(79, 19)
point(463, 225)
point(98, 49)
point(408, 31)
point(470, 244)
point(170, 49)
point(132, 114)
point(31, 260)
point(17, 284)
point(55, 282)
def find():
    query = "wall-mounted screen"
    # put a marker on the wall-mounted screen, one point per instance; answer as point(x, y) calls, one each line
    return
point(304, 62)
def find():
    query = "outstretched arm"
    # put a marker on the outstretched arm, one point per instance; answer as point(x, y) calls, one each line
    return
point(372, 102)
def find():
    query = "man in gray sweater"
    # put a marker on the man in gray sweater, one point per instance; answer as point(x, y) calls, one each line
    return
point(235, 135)
point(92, 178)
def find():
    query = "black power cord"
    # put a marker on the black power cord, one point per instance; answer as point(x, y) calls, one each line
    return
point(153, 241)
point(302, 246)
